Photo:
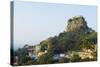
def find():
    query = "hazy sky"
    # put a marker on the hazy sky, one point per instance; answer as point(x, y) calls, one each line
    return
point(34, 22)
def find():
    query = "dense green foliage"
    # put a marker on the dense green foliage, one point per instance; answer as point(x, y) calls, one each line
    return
point(66, 41)
point(71, 41)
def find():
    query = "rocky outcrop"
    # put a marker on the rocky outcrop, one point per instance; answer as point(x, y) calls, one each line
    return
point(77, 23)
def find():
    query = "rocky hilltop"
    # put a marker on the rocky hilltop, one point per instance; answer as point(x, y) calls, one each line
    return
point(77, 23)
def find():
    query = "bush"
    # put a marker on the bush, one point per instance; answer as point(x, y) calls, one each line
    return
point(75, 58)
point(63, 60)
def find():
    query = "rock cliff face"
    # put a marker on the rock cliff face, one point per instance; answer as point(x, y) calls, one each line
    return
point(77, 23)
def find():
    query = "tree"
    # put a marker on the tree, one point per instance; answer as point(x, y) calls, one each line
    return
point(22, 56)
point(75, 58)
point(47, 58)
point(87, 41)
point(44, 46)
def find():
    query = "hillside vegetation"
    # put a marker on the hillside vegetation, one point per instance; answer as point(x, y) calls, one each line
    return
point(77, 43)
